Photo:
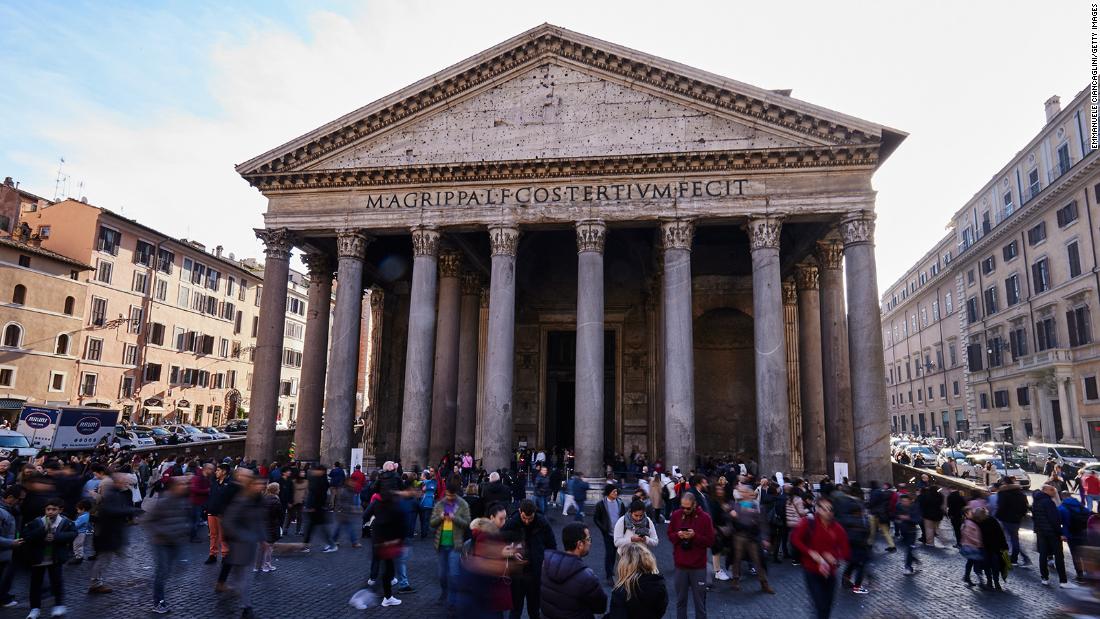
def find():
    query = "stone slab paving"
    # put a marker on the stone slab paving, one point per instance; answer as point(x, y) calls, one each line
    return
point(319, 585)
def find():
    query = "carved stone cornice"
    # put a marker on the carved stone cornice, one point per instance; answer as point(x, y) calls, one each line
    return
point(471, 283)
point(425, 241)
point(319, 265)
point(277, 242)
point(858, 229)
point(591, 235)
point(764, 232)
point(503, 239)
point(677, 234)
point(352, 243)
point(535, 48)
point(444, 174)
point(829, 254)
point(805, 277)
point(450, 263)
point(790, 293)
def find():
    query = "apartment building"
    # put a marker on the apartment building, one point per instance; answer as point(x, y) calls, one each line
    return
point(166, 323)
point(1021, 266)
point(293, 338)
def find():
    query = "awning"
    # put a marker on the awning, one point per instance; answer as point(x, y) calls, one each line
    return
point(153, 410)
point(11, 404)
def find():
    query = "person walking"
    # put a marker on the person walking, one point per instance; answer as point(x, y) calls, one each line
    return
point(878, 511)
point(112, 517)
point(691, 532)
point(1075, 521)
point(451, 521)
point(822, 544)
point(200, 494)
point(428, 488)
point(1090, 487)
point(956, 506)
point(167, 522)
point(49, 541)
point(906, 518)
point(993, 545)
point(1011, 509)
point(970, 546)
point(244, 530)
point(531, 535)
point(273, 513)
point(608, 512)
point(388, 537)
point(219, 496)
point(848, 511)
point(316, 507)
point(348, 513)
point(930, 504)
point(749, 535)
point(1047, 523)
point(570, 590)
point(640, 591)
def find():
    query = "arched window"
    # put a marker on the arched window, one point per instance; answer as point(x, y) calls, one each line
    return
point(70, 305)
point(19, 296)
point(13, 335)
point(62, 344)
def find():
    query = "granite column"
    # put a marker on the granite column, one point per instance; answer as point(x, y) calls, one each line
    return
point(809, 371)
point(311, 390)
point(589, 405)
point(836, 385)
point(678, 356)
point(468, 338)
point(445, 382)
point(416, 411)
point(496, 426)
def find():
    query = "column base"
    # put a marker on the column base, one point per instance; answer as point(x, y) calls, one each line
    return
point(595, 489)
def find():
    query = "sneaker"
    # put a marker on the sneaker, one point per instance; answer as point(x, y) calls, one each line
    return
point(393, 582)
point(721, 575)
point(304, 549)
point(10, 604)
point(860, 590)
point(910, 571)
point(34, 614)
point(268, 568)
point(1067, 585)
point(391, 601)
point(210, 559)
point(1046, 582)
point(100, 588)
point(332, 548)
point(160, 608)
point(58, 611)
point(371, 582)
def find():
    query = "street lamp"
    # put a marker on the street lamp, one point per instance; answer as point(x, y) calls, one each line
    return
point(1004, 430)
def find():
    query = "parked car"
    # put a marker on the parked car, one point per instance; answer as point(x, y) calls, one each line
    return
point(218, 435)
point(236, 425)
point(1038, 453)
point(188, 433)
point(157, 433)
point(971, 469)
point(144, 439)
point(927, 457)
point(950, 454)
point(13, 443)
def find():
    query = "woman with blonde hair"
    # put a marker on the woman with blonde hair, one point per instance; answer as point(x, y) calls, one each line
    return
point(640, 591)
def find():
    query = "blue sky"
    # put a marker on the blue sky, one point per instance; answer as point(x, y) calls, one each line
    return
point(152, 103)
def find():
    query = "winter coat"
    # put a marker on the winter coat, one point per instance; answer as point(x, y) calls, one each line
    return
point(796, 510)
point(115, 508)
point(460, 518)
point(221, 495)
point(650, 600)
point(496, 492)
point(35, 544)
point(8, 532)
point(690, 554)
point(317, 494)
point(602, 517)
point(168, 522)
point(200, 489)
point(580, 489)
point(542, 485)
point(273, 518)
point(956, 504)
point(626, 527)
point(993, 537)
point(811, 534)
point(971, 534)
point(930, 503)
point(1011, 504)
point(1075, 520)
point(1044, 515)
point(570, 589)
point(243, 524)
point(537, 538)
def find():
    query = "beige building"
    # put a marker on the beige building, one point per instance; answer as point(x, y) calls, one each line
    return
point(1025, 282)
point(42, 301)
point(294, 332)
point(168, 328)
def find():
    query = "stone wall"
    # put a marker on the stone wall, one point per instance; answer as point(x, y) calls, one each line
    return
point(218, 450)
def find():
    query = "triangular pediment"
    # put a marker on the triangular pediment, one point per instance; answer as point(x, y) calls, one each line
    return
point(552, 93)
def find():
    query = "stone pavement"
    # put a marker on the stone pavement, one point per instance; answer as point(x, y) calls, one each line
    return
point(317, 585)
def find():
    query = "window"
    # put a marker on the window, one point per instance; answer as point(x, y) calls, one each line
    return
point(143, 253)
point(1017, 342)
point(1010, 251)
point(109, 240)
point(1008, 203)
point(955, 388)
point(62, 346)
point(1012, 290)
point(970, 277)
point(223, 348)
point(19, 295)
point(1033, 182)
point(935, 310)
point(103, 272)
point(1000, 398)
point(294, 330)
point(7, 377)
point(243, 290)
point(57, 381)
point(1040, 274)
point(1045, 334)
point(178, 335)
point(255, 325)
point(136, 314)
point(995, 352)
point(952, 354)
point(1037, 234)
point(152, 372)
point(198, 274)
point(259, 292)
point(991, 300)
point(923, 317)
point(1090, 388)
point(213, 279)
point(88, 384)
point(1073, 253)
point(1067, 214)
point(988, 265)
point(70, 306)
point(974, 357)
point(1063, 159)
point(25, 261)
point(184, 297)
point(972, 310)
point(920, 395)
point(230, 286)
point(160, 289)
point(126, 387)
point(130, 354)
point(174, 375)
point(185, 272)
point(13, 336)
point(929, 394)
point(947, 305)
point(164, 261)
point(295, 305)
point(984, 398)
point(206, 345)
point(1080, 330)
point(292, 358)
point(217, 381)
point(231, 379)
point(141, 282)
point(1023, 396)
point(99, 312)
point(943, 391)
point(156, 334)
point(93, 349)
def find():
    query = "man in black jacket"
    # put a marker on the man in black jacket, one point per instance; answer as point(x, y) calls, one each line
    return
point(531, 529)
point(608, 512)
point(496, 492)
point(1048, 533)
point(316, 506)
point(1011, 509)
point(570, 590)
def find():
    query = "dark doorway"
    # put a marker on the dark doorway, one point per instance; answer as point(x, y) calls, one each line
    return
point(561, 390)
point(1056, 412)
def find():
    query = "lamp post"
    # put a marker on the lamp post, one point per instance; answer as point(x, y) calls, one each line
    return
point(1004, 445)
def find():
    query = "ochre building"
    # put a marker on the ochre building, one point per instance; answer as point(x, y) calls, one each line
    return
point(570, 243)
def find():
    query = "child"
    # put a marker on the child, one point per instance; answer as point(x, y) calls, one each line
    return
point(49, 541)
point(83, 543)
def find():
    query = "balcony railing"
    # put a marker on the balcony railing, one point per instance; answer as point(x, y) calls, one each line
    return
point(1045, 357)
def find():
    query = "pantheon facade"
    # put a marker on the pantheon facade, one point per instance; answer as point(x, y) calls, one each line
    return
point(576, 244)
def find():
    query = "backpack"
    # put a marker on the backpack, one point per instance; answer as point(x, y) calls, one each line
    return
point(1078, 520)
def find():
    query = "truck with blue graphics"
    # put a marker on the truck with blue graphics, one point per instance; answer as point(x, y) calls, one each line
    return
point(66, 428)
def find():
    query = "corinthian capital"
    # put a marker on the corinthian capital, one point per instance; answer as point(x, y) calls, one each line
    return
point(858, 228)
point(277, 242)
point(425, 240)
point(829, 254)
point(591, 234)
point(790, 293)
point(450, 263)
point(503, 239)
point(351, 243)
point(677, 234)
point(764, 232)
point(805, 277)
point(318, 264)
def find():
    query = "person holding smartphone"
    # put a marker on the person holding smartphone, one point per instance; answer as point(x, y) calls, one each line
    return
point(49, 541)
point(691, 532)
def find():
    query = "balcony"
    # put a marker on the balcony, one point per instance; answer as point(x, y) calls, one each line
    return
point(1057, 171)
point(1044, 358)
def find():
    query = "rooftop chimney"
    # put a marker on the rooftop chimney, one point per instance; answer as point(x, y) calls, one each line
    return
point(218, 251)
point(1053, 105)
point(9, 182)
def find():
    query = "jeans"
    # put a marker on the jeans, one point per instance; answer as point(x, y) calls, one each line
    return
point(779, 538)
point(857, 565)
point(387, 577)
point(693, 582)
point(579, 516)
point(263, 555)
point(822, 590)
point(57, 587)
point(1090, 500)
point(540, 502)
point(425, 518)
point(196, 518)
point(401, 564)
point(166, 557)
point(447, 572)
point(525, 588)
point(609, 555)
point(1051, 545)
point(318, 519)
point(351, 525)
point(1012, 532)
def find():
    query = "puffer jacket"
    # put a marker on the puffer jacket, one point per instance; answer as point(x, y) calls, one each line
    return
point(570, 589)
point(460, 518)
point(649, 602)
point(8, 532)
point(1044, 515)
point(971, 534)
point(796, 510)
point(273, 518)
point(1011, 504)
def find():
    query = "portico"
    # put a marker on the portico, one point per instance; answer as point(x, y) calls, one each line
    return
point(630, 221)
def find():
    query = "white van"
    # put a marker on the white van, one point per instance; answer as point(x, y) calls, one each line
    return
point(1037, 454)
